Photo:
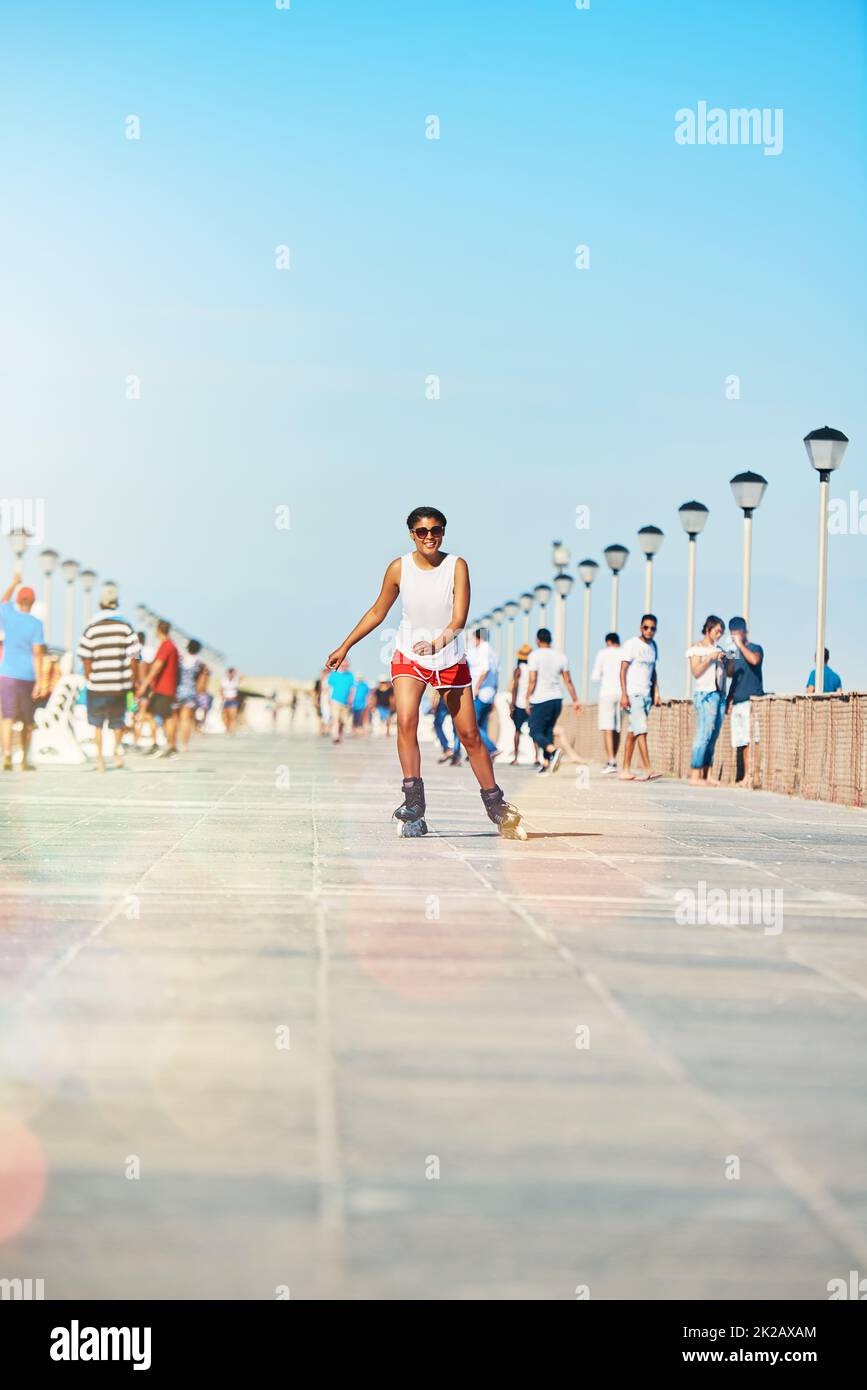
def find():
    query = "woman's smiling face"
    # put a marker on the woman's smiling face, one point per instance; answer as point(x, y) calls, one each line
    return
point(428, 535)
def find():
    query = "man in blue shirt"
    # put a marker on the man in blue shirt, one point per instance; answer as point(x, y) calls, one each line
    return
point(340, 683)
point(832, 681)
point(745, 669)
point(21, 670)
point(360, 693)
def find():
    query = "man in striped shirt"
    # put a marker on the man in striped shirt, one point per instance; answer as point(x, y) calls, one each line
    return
point(110, 652)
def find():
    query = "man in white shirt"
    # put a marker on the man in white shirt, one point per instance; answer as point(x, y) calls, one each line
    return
point(638, 691)
point(547, 669)
point(606, 670)
point(484, 672)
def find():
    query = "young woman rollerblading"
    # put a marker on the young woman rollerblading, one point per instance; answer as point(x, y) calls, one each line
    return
point(430, 650)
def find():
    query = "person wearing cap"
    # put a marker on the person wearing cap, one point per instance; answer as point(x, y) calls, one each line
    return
point(745, 670)
point(518, 694)
point(22, 673)
point(110, 651)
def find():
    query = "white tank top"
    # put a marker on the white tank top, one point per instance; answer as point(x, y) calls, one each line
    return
point(428, 598)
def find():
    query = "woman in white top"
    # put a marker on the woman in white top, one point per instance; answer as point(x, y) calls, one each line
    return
point(430, 650)
point(707, 663)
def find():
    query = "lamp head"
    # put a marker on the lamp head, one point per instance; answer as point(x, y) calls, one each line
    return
point(588, 570)
point(650, 539)
point(748, 489)
point(693, 516)
point(825, 449)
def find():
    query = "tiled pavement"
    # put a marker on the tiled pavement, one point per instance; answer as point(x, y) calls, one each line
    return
point(356, 1066)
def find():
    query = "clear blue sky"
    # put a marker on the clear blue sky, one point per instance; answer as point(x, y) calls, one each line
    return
point(305, 388)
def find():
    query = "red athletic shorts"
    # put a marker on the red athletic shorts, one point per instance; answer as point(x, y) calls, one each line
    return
point(450, 677)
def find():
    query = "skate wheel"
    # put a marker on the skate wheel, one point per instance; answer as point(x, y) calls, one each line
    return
point(514, 832)
point(412, 829)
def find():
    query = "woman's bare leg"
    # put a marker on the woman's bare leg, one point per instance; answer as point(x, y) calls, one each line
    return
point(407, 698)
point(461, 708)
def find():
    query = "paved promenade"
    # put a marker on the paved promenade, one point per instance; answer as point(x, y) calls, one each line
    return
point(251, 1041)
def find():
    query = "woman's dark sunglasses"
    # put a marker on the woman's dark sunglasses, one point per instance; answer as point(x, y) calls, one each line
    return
point(423, 532)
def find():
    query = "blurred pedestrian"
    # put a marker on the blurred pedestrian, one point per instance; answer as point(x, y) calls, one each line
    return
point(484, 670)
point(160, 686)
point(518, 694)
point(109, 650)
point(384, 703)
point(638, 691)
point(192, 681)
point(360, 692)
point(21, 670)
point(832, 683)
point(708, 663)
point(451, 752)
point(606, 670)
point(341, 683)
point(231, 700)
point(548, 668)
point(745, 669)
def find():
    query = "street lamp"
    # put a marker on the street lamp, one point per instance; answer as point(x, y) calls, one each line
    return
point(693, 516)
point(69, 569)
point(511, 610)
point(542, 595)
point(587, 571)
point(616, 555)
point(825, 450)
point(650, 539)
point(748, 490)
point(560, 556)
point(18, 540)
point(497, 619)
point(48, 560)
point(88, 579)
point(563, 584)
point(526, 602)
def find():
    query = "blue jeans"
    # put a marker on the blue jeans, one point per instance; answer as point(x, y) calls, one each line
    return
point(708, 719)
point(483, 713)
point(440, 718)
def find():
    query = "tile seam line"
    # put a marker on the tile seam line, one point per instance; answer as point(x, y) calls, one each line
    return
point(332, 1193)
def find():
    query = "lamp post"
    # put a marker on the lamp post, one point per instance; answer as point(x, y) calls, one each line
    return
point(526, 602)
point(650, 539)
point(563, 584)
point(560, 555)
point(693, 516)
point(88, 579)
point(542, 595)
point(511, 610)
point(497, 619)
point(69, 569)
point(616, 556)
point(825, 450)
point(18, 539)
point(587, 570)
point(748, 489)
point(48, 560)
